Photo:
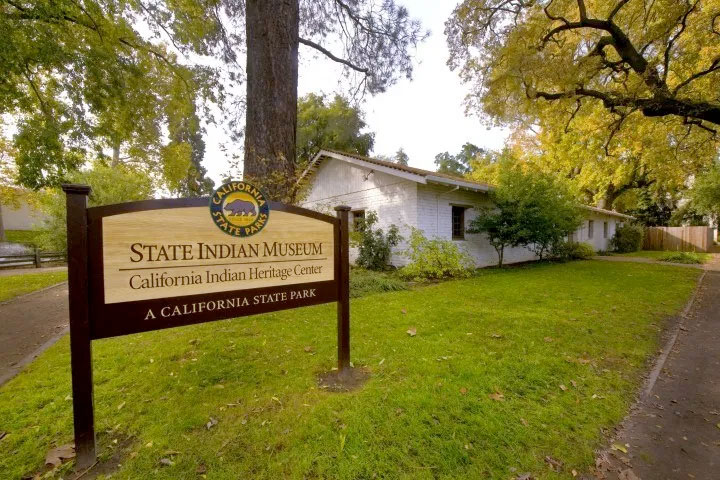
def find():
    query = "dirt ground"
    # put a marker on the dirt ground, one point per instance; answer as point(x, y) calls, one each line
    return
point(674, 431)
point(28, 325)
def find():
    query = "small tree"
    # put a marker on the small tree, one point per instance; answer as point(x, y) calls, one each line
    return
point(375, 246)
point(499, 225)
point(109, 185)
point(532, 209)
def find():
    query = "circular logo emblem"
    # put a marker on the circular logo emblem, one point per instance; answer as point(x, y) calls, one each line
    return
point(239, 209)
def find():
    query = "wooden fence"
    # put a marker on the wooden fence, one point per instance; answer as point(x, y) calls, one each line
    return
point(37, 258)
point(684, 239)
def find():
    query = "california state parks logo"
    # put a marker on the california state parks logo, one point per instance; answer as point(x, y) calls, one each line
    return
point(239, 209)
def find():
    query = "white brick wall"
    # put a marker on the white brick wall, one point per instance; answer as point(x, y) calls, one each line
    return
point(406, 203)
point(393, 198)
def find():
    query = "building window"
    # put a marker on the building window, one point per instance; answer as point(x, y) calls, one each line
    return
point(458, 223)
point(591, 228)
point(605, 230)
point(358, 218)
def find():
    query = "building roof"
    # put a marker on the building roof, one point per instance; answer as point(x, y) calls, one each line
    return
point(418, 175)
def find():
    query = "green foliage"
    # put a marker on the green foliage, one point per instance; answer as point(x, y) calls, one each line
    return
point(705, 193)
point(80, 80)
point(28, 237)
point(401, 158)
point(367, 282)
point(682, 257)
point(627, 238)
point(615, 95)
point(109, 185)
point(331, 124)
point(374, 245)
point(567, 250)
point(531, 209)
point(458, 164)
point(435, 259)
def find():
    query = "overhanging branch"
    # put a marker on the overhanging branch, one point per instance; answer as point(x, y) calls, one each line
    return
point(332, 57)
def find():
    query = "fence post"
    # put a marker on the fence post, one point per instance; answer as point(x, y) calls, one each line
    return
point(37, 257)
point(80, 342)
point(343, 312)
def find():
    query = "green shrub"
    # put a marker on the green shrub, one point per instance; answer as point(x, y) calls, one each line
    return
point(435, 259)
point(681, 257)
point(628, 238)
point(572, 251)
point(374, 245)
point(366, 282)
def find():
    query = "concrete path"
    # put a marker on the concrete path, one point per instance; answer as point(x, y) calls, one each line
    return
point(30, 324)
point(674, 431)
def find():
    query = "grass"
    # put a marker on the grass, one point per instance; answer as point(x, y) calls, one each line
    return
point(561, 347)
point(665, 256)
point(14, 285)
point(22, 236)
point(365, 282)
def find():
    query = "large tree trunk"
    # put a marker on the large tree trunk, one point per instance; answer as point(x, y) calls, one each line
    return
point(272, 28)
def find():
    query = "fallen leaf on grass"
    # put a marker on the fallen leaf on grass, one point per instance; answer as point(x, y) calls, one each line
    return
point(308, 349)
point(2, 435)
point(56, 456)
point(619, 446)
point(412, 331)
point(525, 476)
point(403, 311)
point(574, 473)
point(555, 465)
point(496, 335)
point(121, 406)
point(166, 462)
point(548, 339)
point(211, 423)
point(497, 396)
point(573, 383)
point(171, 453)
point(463, 390)
point(563, 387)
point(201, 470)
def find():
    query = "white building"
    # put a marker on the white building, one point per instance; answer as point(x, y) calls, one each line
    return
point(440, 205)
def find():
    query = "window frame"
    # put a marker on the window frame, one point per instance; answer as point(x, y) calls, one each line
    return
point(606, 229)
point(591, 229)
point(461, 209)
point(356, 217)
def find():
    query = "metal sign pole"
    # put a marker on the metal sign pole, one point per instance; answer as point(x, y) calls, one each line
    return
point(80, 346)
point(343, 309)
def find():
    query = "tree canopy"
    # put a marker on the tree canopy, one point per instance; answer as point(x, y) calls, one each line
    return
point(334, 124)
point(618, 96)
point(458, 164)
point(80, 81)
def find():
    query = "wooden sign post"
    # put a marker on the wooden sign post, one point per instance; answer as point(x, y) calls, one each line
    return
point(142, 266)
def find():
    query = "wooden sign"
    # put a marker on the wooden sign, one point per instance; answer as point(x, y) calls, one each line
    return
point(142, 266)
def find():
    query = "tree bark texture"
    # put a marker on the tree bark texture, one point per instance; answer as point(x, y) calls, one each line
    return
point(272, 28)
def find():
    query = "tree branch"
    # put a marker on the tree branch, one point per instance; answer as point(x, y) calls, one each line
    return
point(332, 57)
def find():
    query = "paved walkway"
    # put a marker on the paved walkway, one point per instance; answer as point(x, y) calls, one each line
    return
point(674, 431)
point(30, 324)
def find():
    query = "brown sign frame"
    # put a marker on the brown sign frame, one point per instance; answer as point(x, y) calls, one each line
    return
point(87, 297)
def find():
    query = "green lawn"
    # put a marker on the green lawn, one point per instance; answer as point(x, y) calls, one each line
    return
point(21, 236)
point(560, 347)
point(658, 255)
point(14, 285)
